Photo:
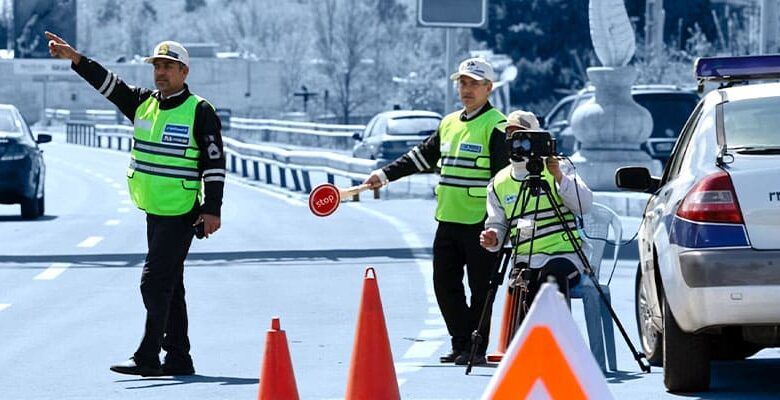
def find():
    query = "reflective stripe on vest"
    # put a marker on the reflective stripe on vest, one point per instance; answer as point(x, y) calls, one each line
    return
point(163, 175)
point(549, 234)
point(465, 167)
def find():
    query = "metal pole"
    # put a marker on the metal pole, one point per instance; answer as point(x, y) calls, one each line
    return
point(768, 26)
point(448, 97)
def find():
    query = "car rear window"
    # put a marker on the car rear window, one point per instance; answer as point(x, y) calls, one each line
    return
point(9, 127)
point(422, 126)
point(669, 111)
point(752, 122)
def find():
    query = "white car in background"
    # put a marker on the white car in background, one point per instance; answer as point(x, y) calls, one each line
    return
point(708, 281)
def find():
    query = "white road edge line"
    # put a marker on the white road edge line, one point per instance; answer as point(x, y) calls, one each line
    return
point(90, 241)
point(54, 270)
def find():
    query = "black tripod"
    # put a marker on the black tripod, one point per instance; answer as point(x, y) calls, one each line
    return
point(536, 187)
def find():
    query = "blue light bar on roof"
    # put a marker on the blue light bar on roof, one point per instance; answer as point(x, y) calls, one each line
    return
point(737, 68)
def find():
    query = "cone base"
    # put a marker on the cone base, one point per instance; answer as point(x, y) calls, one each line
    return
point(495, 357)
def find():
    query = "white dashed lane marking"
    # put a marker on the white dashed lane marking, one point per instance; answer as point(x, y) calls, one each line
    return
point(90, 241)
point(122, 209)
point(52, 272)
point(3, 306)
point(112, 222)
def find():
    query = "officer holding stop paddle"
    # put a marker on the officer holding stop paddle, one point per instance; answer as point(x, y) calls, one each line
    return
point(470, 151)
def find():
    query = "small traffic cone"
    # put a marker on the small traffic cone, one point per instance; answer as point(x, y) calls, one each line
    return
point(508, 319)
point(371, 371)
point(277, 380)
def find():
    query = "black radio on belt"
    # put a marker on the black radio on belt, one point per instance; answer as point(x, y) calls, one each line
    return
point(199, 230)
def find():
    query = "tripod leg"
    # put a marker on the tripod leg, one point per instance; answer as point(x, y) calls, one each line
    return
point(640, 358)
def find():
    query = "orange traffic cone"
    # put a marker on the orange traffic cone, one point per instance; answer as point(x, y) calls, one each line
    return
point(277, 380)
point(371, 371)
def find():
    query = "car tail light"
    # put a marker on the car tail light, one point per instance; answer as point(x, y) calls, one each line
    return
point(712, 200)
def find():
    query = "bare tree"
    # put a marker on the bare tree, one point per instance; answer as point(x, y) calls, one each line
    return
point(346, 30)
point(263, 28)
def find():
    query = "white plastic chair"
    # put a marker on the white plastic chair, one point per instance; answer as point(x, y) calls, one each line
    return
point(597, 224)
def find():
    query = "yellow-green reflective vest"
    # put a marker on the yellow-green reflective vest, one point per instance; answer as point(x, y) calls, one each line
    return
point(465, 167)
point(163, 175)
point(550, 237)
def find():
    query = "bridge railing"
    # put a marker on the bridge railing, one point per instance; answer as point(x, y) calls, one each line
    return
point(294, 170)
point(310, 134)
point(248, 130)
point(62, 116)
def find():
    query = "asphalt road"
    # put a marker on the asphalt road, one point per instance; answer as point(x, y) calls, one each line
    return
point(70, 304)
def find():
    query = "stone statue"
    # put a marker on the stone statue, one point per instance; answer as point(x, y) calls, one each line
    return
point(611, 126)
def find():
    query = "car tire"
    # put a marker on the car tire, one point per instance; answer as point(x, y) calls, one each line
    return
point(686, 357)
point(650, 337)
point(33, 207)
point(30, 208)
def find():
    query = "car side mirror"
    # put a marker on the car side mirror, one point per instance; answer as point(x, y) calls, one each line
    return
point(636, 179)
point(542, 121)
point(357, 137)
point(43, 138)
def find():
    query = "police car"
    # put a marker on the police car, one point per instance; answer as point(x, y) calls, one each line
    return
point(708, 281)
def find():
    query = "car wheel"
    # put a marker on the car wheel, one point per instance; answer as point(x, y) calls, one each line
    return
point(32, 207)
point(686, 357)
point(650, 337)
point(42, 205)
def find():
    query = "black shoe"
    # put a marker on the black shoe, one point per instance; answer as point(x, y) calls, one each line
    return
point(130, 367)
point(450, 357)
point(463, 359)
point(174, 369)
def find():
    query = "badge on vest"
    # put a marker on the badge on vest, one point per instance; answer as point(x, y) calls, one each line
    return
point(176, 134)
point(143, 124)
point(445, 147)
point(471, 147)
point(510, 199)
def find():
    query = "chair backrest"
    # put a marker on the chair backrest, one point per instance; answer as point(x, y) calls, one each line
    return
point(597, 224)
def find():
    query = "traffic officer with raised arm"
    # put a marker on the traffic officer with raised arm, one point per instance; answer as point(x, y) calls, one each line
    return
point(470, 150)
point(176, 175)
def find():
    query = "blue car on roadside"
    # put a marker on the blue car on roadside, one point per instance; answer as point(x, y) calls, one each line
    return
point(22, 170)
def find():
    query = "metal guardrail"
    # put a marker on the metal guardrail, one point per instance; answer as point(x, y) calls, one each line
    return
point(97, 116)
point(269, 164)
point(329, 136)
point(87, 133)
point(249, 130)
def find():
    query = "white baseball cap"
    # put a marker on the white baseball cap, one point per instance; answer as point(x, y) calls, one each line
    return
point(476, 68)
point(525, 120)
point(170, 50)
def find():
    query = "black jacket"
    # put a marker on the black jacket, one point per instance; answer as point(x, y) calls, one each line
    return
point(430, 152)
point(206, 129)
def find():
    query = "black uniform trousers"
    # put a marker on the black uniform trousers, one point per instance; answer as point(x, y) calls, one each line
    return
point(162, 289)
point(454, 246)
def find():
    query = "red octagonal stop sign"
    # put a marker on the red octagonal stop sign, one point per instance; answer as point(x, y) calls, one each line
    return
point(324, 200)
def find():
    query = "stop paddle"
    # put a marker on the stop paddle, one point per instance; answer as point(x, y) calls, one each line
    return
point(324, 200)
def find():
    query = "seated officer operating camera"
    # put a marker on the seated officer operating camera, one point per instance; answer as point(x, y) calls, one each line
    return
point(552, 252)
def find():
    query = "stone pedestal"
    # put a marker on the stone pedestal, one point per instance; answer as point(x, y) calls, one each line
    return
point(611, 127)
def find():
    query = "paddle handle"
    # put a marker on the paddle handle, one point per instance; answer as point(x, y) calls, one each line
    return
point(353, 190)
